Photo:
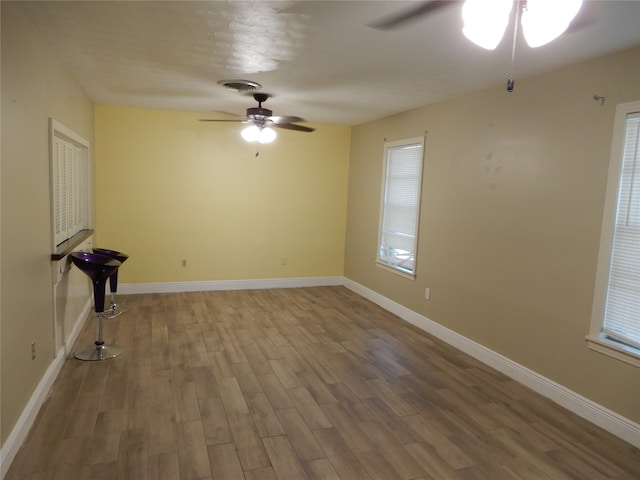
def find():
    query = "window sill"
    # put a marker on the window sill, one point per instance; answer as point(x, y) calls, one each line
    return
point(396, 271)
point(613, 349)
point(66, 247)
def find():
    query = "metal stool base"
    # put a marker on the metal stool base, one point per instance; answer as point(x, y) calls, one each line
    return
point(115, 308)
point(103, 352)
point(114, 312)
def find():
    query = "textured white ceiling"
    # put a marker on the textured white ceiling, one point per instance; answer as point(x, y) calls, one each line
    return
point(321, 60)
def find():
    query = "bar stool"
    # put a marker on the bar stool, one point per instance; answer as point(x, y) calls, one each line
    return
point(114, 310)
point(98, 268)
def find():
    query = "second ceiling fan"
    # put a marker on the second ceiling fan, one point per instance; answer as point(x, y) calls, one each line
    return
point(485, 21)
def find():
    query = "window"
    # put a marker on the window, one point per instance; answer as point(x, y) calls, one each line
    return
point(615, 326)
point(400, 205)
point(69, 183)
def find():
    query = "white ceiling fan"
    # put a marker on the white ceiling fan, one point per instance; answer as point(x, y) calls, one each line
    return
point(486, 21)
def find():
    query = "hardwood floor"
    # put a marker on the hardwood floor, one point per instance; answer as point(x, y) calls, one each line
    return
point(309, 383)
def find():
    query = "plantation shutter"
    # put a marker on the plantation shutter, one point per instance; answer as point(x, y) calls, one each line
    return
point(78, 192)
point(622, 304)
point(70, 189)
point(61, 175)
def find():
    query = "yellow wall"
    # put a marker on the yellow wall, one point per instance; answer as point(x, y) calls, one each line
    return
point(35, 87)
point(512, 202)
point(169, 187)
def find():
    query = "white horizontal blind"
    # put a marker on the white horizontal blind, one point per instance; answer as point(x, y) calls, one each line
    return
point(622, 304)
point(400, 205)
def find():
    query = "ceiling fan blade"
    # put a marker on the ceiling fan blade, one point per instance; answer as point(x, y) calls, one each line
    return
point(285, 119)
point(413, 13)
point(584, 19)
point(239, 120)
point(293, 126)
point(223, 112)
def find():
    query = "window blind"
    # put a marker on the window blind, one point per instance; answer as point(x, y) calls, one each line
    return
point(400, 205)
point(622, 303)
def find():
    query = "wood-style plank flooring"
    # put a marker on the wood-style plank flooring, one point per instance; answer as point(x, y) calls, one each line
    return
point(291, 384)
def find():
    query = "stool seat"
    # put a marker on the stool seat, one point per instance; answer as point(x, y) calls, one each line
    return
point(121, 257)
point(98, 268)
point(114, 309)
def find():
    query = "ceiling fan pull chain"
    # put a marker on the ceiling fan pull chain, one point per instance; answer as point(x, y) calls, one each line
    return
point(519, 5)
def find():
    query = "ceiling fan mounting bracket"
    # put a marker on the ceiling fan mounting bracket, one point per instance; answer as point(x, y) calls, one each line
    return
point(258, 114)
point(260, 98)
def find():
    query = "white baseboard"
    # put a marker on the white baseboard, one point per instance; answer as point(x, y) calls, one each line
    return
point(23, 425)
point(606, 419)
point(21, 429)
point(255, 284)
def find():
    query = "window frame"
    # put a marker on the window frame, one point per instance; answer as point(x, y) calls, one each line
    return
point(388, 146)
point(77, 200)
point(597, 340)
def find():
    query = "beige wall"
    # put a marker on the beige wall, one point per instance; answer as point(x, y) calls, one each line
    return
point(169, 187)
point(34, 87)
point(512, 202)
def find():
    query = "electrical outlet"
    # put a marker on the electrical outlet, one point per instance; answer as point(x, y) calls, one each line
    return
point(33, 350)
point(427, 293)
point(184, 262)
point(283, 261)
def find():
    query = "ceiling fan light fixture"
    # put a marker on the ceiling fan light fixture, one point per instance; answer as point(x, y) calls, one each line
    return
point(254, 133)
point(251, 133)
point(545, 20)
point(486, 21)
point(267, 135)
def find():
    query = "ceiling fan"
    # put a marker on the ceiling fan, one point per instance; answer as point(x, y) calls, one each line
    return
point(261, 120)
point(486, 21)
